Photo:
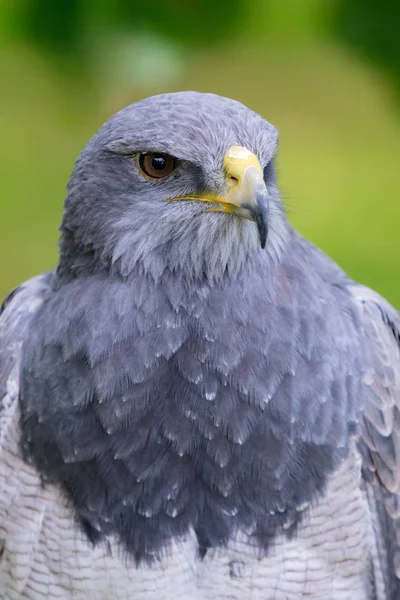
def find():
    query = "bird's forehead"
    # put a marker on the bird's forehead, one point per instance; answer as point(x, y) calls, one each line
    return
point(192, 126)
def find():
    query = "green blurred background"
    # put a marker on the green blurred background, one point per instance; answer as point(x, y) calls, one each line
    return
point(325, 72)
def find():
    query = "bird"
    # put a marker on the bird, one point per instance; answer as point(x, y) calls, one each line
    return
point(196, 403)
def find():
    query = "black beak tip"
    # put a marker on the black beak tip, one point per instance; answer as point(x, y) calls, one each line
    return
point(262, 226)
point(261, 216)
point(263, 238)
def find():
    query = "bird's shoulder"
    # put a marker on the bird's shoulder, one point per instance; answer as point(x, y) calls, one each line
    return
point(380, 427)
point(375, 325)
point(380, 331)
point(16, 314)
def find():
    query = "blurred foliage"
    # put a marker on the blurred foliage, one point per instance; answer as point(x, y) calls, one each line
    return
point(66, 65)
point(373, 29)
point(54, 26)
point(62, 27)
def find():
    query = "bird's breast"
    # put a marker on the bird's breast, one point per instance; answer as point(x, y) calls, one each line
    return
point(166, 412)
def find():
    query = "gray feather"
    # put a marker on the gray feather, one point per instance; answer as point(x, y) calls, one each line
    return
point(194, 413)
point(381, 424)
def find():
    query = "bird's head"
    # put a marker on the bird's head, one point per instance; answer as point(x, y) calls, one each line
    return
point(181, 181)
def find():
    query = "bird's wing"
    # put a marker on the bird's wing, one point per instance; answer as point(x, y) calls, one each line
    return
point(16, 314)
point(380, 433)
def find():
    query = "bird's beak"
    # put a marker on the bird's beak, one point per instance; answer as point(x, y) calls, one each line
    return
point(247, 194)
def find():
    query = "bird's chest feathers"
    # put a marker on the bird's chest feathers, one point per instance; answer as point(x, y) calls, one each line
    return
point(177, 411)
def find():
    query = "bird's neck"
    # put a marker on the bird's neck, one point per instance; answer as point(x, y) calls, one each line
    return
point(194, 410)
point(212, 255)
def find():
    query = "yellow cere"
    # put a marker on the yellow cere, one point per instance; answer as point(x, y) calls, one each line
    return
point(236, 161)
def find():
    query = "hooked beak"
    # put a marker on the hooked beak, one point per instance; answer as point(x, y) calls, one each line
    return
point(247, 194)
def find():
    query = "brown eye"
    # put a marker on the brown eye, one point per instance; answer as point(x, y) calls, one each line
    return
point(156, 165)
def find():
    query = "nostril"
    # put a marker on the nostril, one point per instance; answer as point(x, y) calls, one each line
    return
point(233, 181)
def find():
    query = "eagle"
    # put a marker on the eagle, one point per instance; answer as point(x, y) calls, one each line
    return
point(197, 403)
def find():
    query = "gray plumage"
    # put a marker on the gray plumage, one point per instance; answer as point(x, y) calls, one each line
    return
point(184, 414)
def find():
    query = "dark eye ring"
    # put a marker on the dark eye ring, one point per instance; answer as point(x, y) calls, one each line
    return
point(156, 165)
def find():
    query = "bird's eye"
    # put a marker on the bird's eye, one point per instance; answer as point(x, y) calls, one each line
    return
point(155, 165)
